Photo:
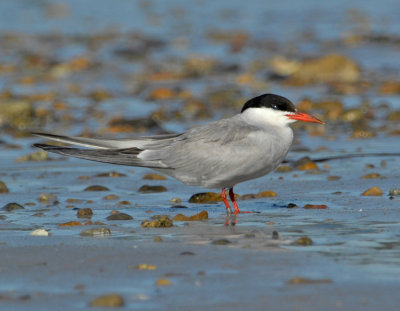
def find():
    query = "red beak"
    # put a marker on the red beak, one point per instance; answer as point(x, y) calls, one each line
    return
point(301, 116)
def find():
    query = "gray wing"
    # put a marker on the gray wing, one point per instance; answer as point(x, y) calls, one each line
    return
point(204, 155)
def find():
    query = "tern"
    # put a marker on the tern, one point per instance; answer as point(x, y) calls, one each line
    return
point(219, 154)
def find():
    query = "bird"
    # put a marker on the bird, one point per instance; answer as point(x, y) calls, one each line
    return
point(219, 154)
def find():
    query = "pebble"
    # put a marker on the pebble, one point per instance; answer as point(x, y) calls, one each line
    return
point(124, 203)
point(39, 232)
point(158, 239)
point(283, 169)
point(200, 216)
point(333, 178)
point(152, 189)
point(371, 176)
point(163, 282)
point(48, 199)
point(313, 206)
point(275, 235)
point(9, 207)
point(96, 188)
point(292, 205)
point(3, 187)
point(70, 224)
point(160, 221)
point(221, 242)
point(145, 266)
point(119, 216)
point(97, 232)
point(153, 176)
point(40, 155)
point(305, 164)
point(374, 191)
point(84, 213)
point(303, 241)
point(74, 201)
point(111, 197)
point(266, 194)
point(205, 197)
point(394, 191)
point(108, 300)
point(176, 200)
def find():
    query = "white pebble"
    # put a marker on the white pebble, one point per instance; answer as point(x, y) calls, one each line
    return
point(40, 232)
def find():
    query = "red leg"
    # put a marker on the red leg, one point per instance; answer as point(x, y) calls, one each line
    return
point(232, 196)
point(223, 196)
point(235, 205)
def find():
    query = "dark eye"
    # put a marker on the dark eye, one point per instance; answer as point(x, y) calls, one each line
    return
point(274, 106)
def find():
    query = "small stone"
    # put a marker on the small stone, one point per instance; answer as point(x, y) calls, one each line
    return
point(108, 300)
point(275, 235)
point(48, 199)
point(96, 232)
point(187, 253)
point(153, 176)
point(200, 216)
point(158, 239)
point(35, 156)
point(307, 166)
point(124, 203)
point(39, 232)
point(163, 282)
point(176, 200)
point(152, 189)
point(84, 213)
point(333, 178)
point(394, 192)
point(313, 206)
point(110, 174)
point(74, 201)
point(3, 187)
point(119, 216)
point(160, 221)
point(179, 206)
point(300, 280)
point(70, 224)
point(145, 266)
point(283, 169)
point(374, 191)
point(371, 176)
point(221, 242)
point(248, 196)
point(266, 194)
point(111, 197)
point(205, 197)
point(303, 241)
point(9, 207)
point(292, 205)
point(96, 188)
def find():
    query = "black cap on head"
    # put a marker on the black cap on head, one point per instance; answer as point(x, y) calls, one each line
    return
point(270, 101)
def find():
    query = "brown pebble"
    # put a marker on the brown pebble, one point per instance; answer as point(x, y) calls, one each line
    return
point(153, 176)
point(371, 176)
point(108, 300)
point(333, 177)
point(313, 206)
point(303, 241)
point(374, 191)
point(84, 213)
point(96, 188)
point(152, 189)
point(266, 194)
point(160, 221)
point(70, 224)
point(119, 216)
point(205, 197)
point(200, 216)
point(283, 169)
point(307, 166)
point(9, 207)
point(3, 187)
point(111, 197)
point(124, 203)
point(145, 266)
point(110, 174)
point(163, 282)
